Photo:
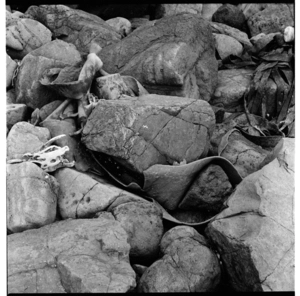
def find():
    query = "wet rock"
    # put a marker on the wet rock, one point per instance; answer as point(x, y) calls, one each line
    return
point(25, 35)
point(31, 197)
point(274, 18)
point(83, 196)
point(177, 61)
point(209, 190)
point(55, 54)
point(243, 154)
point(232, 16)
point(121, 25)
point(226, 45)
point(208, 9)
point(143, 224)
point(150, 129)
point(163, 10)
point(187, 265)
point(250, 9)
point(25, 138)
point(74, 26)
point(15, 113)
point(232, 85)
point(255, 234)
point(11, 66)
point(88, 256)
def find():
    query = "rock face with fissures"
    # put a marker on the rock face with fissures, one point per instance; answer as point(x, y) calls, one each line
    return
point(150, 129)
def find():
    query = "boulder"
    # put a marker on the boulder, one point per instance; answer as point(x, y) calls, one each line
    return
point(274, 18)
point(55, 54)
point(232, 84)
point(151, 129)
point(232, 16)
point(121, 25)
point(226, 45)
point(255, 234)
point(138, 22)
point(250, 9)
point(208, 9)
point(259, 41)
point(209, 190)
point(11, 66)
point(24, 35)
point(73, 256)
point(163, 10)
point(144, 226)
point(178, 61)
point(25, 138)
point(82, 196)
point(31, 197)
point(15, 113)
point(187, 265)
point(74, 26)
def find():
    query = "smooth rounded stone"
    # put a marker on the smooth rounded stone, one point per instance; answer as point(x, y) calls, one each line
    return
point(121, 25)
point(250, 9)
point(25, 138)
point(209, 190)
point(144, 226)
point(238, 35)
point(10, 96)
point(15, 113)
point(25, 35)
point(76, 256)
point(55, 54)
point(150, 129)
point(82, 196)
point(163, 10)
point(232, 16)
point(187, 265)
point(274, 18)
point(255, 234)
point(208, 9)
point(11, 66)
point(31, 197)
point(259, 41)
point(232, 84)
point(74, 26)
point(242, 153)
point(176, 61)
point(226, 45)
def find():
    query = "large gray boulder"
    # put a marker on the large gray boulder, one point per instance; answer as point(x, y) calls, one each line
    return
point(172, 56)
point(150, 129)
point(255, 234)
point(73, 256)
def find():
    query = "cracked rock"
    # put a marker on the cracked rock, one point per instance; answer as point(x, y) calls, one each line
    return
point(187, 265)
point(79, 256)
point(74, 26)
point(255, 234)
point(31, 197)
point(172, 56)
point(151, 129)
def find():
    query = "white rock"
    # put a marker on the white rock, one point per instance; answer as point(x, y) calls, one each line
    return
point(289, 34)
point(15, 113)
point(227, 45)
point(121, 25)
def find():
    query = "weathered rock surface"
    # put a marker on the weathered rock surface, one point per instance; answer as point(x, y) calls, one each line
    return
point(74, 26)
point(255, 234)
point(187, 265)
point(259, 41)
point(250, 9)
point(226, 45)
point(11, 66)
point(138, 22)
point(209, 190)
point(82, 196)
point(208, 9)
point(55, 54)
point(150, 129)
point(31, 197)
point(163, 10)
point(121, 25)
point(15, 113)
point(232, 16)
point(274, 18)
point(10, 96)
point(168, 60)
point(144, 226)
point(25, 35)
point(24, 138)
point(232, 85)
point(73, 256)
